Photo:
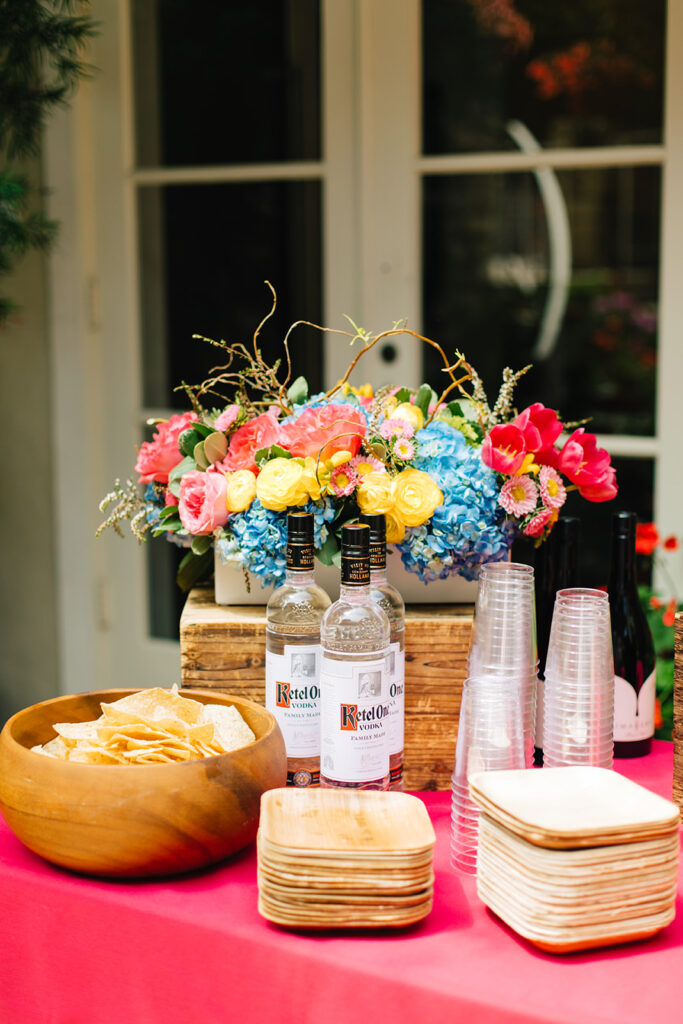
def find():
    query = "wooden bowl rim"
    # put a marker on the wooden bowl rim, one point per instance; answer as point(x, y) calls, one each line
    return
point(6, 733)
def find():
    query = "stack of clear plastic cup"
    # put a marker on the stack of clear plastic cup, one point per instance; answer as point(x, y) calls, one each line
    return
point(504, 636)
point(579, 681)
point(490, 738)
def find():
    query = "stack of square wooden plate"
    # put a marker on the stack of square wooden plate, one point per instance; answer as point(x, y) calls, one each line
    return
point(576, 857)
point(344, 858)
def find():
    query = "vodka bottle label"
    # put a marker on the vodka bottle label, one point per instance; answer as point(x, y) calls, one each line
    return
point(293, 696)
point(354, 719)
point(634, 713)
point(395, 726)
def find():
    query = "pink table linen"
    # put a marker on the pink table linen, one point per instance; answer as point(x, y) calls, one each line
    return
point(193, 950)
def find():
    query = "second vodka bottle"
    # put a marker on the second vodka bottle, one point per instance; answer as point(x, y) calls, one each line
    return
point(355, 679)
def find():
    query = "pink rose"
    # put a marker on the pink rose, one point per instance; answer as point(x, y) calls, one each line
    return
point(588, 466)
point(540, 426)
point(202, 507)
point(169, 499)
point(504, 449)
point(227, 417)
point(324, 431)
point(156, 458)
point(261, 432)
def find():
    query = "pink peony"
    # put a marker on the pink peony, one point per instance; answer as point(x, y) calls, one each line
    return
point(518, 496)
point(553, 491)
point(261, 432)
point(202, 506)
point(323, 431)
point(540, 426)
point(588, 466)
point(504, 449)
point(538, 524)
point(156, 458)
point(227, 417)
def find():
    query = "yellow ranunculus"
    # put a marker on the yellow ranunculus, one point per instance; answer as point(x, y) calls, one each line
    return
point(241, 490)
point(374, 493)
point(396, 530)
point(415, 497)
point(309, 478)
point(410, 413)
point(280, 484)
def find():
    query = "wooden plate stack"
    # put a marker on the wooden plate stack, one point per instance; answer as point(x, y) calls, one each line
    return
point(343, 858)
point(577, 857)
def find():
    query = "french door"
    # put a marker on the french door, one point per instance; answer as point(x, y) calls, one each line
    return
point(385, 159)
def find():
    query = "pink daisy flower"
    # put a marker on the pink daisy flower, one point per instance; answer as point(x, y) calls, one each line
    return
point(518, 495)
point(343, 480)
point(363, 464)
point(403, 449)
point(552, 488)
point(396, 428)
point(538, 524)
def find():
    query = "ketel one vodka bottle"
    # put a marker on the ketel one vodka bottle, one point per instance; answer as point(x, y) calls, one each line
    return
point(388, 598)
point(634, 657)
point(354, 682)
point(293, 654)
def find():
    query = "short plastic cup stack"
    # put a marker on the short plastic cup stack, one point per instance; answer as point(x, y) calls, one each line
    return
point(579, 681)
point(497, 713)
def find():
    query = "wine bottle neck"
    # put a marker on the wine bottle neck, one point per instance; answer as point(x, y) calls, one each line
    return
point(622, 567)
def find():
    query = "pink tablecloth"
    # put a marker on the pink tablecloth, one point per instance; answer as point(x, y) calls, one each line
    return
point(194, 951)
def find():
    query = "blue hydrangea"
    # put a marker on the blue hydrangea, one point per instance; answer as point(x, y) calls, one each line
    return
point(257, 538)
point(469, 528)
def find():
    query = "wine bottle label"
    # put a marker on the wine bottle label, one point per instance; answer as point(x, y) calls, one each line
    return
point(354, 717)
point(293, 696)
point(396, 698)
point(634, 713)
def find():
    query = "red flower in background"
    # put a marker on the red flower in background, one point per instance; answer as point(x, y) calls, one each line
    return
point(669, 616)
point(671, 543)
point(647, 538)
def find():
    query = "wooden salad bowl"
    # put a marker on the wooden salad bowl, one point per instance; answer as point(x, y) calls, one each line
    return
point(134, 820)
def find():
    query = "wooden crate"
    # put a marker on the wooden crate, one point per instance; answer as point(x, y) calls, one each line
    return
point(678, 711)
point(223, 646)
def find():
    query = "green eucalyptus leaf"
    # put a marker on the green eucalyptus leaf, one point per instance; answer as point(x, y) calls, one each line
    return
point(168, 511)
point(379, 450)
point(187, 465)
point(203, 428)
point(298, 391)
point(188, 439)
point(264, 455)
point(424, 398)
point(193, 569)
point(402, 395)
point(215, 446)
point(200, 457)
point(200, 545)
point(455, 409)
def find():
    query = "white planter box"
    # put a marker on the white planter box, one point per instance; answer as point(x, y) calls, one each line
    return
point(231, 589)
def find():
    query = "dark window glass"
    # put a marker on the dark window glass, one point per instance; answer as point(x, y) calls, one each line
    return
point(226, 82)
point(205, 252)
point(585, 73)
point(564, 278)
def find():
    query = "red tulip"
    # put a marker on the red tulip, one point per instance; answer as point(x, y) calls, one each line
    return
point(540, 426)
point(504, 449)
point(588, 466)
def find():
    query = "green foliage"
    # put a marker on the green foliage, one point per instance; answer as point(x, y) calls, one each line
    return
point(40, 47)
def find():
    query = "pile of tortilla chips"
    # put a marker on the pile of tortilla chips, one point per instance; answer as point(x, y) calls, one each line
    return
point(150, 727)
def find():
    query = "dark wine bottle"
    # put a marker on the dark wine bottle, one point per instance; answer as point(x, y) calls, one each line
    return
point(634, 656)
point(556, 566)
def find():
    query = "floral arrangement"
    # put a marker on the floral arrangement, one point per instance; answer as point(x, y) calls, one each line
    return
point(656, 551)
point(457, 479)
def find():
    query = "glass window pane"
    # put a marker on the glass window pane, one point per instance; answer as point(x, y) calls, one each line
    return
point(205, 252)
point(565, 278)
point(587, 73)
point(226, 82)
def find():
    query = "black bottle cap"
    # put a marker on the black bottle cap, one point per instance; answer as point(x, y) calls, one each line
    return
point(300, 528)
point(378, 527)
point(300, 541)
point(624, 524)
